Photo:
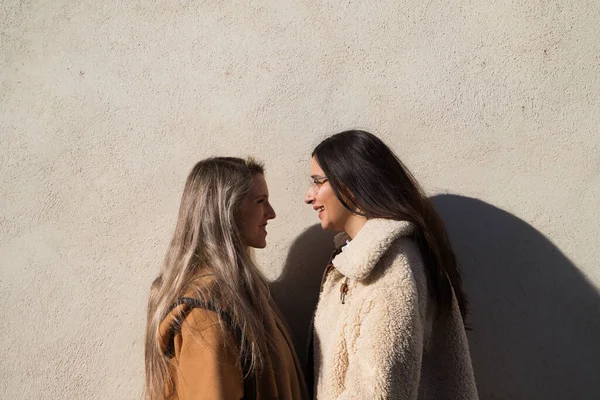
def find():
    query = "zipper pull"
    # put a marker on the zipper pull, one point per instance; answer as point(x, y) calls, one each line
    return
point(344, 291)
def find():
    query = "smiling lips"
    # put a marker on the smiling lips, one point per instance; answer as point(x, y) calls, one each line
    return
point(319, 209)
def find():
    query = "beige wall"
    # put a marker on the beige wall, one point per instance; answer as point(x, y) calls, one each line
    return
point(105, 108)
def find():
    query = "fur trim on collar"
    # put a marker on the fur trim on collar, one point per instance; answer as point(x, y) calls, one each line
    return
point(371, 242)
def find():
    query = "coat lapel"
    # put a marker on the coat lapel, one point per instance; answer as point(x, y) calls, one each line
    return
point(360, 257)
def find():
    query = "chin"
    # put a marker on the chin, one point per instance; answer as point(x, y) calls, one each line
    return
point(258, 244)
point(326, 226)
point(331, 226)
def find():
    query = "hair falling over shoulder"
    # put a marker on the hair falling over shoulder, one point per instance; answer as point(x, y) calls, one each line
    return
point(366, 175)
point(207, 242)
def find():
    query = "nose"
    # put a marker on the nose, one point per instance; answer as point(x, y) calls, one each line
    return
point(309, 198)
point(271, 212)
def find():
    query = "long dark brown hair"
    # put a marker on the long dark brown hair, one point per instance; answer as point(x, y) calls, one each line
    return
point(370, 180)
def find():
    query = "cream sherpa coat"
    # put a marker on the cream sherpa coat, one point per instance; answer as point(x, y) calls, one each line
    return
point(385, 342)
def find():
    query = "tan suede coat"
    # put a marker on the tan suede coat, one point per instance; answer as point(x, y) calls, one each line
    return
point(380, 338)
point(206, 365)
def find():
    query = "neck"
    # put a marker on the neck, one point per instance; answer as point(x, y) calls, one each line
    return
point(354, 224)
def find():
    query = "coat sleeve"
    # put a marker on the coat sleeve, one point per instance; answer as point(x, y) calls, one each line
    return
point(384, 360)
point(208, 365)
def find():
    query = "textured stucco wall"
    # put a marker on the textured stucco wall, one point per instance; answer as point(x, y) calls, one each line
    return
point(105, 106)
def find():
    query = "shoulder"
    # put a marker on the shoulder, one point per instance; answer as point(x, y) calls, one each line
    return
point(188, 329)
point(202, 324)
point(400, 265)
point(206, 292)
point(197, 312)
point(198, 315)
point(398, 281)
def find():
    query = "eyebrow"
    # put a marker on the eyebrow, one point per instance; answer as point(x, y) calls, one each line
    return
point(318, 176)
point(260, 195)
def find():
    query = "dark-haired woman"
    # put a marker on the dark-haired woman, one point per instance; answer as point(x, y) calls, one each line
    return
point(390, 319)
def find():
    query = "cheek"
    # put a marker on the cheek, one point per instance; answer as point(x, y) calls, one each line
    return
point(336, 213)
point(330, 202)
point(324, 197)
point(249, 220)
point(256, 217)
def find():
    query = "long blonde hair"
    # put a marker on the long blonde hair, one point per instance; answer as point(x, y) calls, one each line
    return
point(207, 241)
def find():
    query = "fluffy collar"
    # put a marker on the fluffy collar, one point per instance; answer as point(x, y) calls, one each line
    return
point(372, 241)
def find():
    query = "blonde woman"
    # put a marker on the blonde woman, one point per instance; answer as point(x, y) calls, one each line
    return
point(212, 331)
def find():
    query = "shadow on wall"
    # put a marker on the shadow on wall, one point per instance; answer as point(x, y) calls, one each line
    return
point(297, 289)
point(535, 317)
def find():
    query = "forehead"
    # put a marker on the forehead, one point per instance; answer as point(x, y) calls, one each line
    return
point(259, 185)
point(315, 168)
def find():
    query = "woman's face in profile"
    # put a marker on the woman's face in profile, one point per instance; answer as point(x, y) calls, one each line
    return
point(331, 212)
point(255, 213)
